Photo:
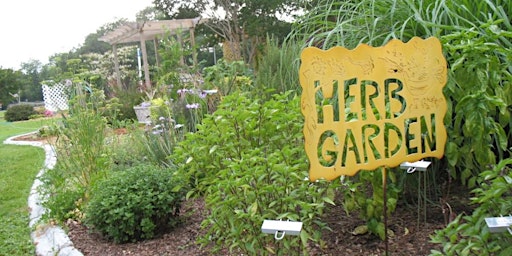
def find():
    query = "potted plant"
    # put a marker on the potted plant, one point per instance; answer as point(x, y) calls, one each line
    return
point(143, 112)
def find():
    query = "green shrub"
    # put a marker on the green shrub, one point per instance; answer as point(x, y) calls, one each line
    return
point(248, 162)
point(228, 77)
point(64, 204)
point(469, 235)
point(139, 203)
point(19, 113)
point(127, 150)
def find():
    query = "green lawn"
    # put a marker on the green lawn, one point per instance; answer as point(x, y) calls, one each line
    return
point(18, 168)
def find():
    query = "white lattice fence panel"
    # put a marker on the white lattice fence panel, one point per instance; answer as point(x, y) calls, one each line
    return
point(55, 97)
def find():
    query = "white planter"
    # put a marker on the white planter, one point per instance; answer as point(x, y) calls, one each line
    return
point(143, 114)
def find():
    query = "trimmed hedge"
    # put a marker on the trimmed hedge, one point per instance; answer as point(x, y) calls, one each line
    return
point(19, 112)
point(136, 204)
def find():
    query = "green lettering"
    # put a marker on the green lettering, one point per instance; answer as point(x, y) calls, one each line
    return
point(371, 98)
point(369, 140)
point(394, 95)
point(327, 101)
point(349, 137)
point(387, 128)
point(430, 136)
point(409, 136)
point(349, 116)
point(328, 153)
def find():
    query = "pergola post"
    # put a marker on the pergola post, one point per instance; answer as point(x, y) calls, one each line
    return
point(180, 41)
point(145, 63)
point(116, 67)
point(157, 57)
point(193, 43)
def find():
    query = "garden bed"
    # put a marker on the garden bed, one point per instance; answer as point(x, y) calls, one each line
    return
point(407, 239)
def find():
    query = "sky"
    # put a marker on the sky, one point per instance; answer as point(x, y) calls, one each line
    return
point(37, 29)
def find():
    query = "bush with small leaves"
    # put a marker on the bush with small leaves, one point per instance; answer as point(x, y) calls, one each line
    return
point(247, 161)
point(469, 234)
point(19, 112)
point(139, 203)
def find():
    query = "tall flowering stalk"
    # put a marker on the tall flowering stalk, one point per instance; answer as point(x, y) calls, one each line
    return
point(191, 106)
point(160, 138)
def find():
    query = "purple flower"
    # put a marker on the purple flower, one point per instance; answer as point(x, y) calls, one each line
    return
point(192, 106)
point(157, 132)
point(183, 91)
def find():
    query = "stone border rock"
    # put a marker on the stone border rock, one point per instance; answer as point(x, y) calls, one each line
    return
point(48, 239)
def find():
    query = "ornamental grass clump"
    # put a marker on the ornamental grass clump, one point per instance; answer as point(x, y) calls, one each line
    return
point(139, 203)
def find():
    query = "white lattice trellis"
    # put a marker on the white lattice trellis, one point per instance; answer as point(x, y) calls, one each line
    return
point(55, 97)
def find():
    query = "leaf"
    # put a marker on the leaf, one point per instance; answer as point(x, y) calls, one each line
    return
point(452, 153)
point(304, 237)
point(328, 200)
point(360, 230)
point(502, 136)
point(254, 208)
point(176, 189)
point(212, 149)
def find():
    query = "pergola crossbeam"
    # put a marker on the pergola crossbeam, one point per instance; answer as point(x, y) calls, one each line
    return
point(143, 31)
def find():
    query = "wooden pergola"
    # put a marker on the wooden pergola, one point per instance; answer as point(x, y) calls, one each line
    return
point(143, 31)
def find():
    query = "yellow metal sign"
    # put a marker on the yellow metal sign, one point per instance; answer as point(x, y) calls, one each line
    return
point(372, 106)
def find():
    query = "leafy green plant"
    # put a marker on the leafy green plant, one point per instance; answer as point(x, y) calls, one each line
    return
point(476, 38)
point(469, 235)
point(172, 53)
point(139, 203)
point(19, 112)
point(228, 77)
point(248, 161)
point(63, 202)
point(369, 200)
point(127, 98)
point(479, 92)
point(127, 150)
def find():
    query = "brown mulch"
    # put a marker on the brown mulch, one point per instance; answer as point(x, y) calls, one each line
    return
point(35, 137)
point(410, 236)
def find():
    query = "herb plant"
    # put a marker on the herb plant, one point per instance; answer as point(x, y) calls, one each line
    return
point(139, 203)
point(248, 161)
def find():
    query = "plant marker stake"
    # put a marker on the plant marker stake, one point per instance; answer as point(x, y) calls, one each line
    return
point(384, 188)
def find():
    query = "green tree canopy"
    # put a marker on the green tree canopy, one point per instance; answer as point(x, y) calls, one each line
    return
point(242, 23)
point(10, 83)
point(31, 82)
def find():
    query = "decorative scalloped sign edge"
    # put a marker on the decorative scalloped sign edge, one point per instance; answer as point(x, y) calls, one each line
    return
point(372, 106)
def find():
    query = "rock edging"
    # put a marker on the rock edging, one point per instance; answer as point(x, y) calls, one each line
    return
point(48, 239)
